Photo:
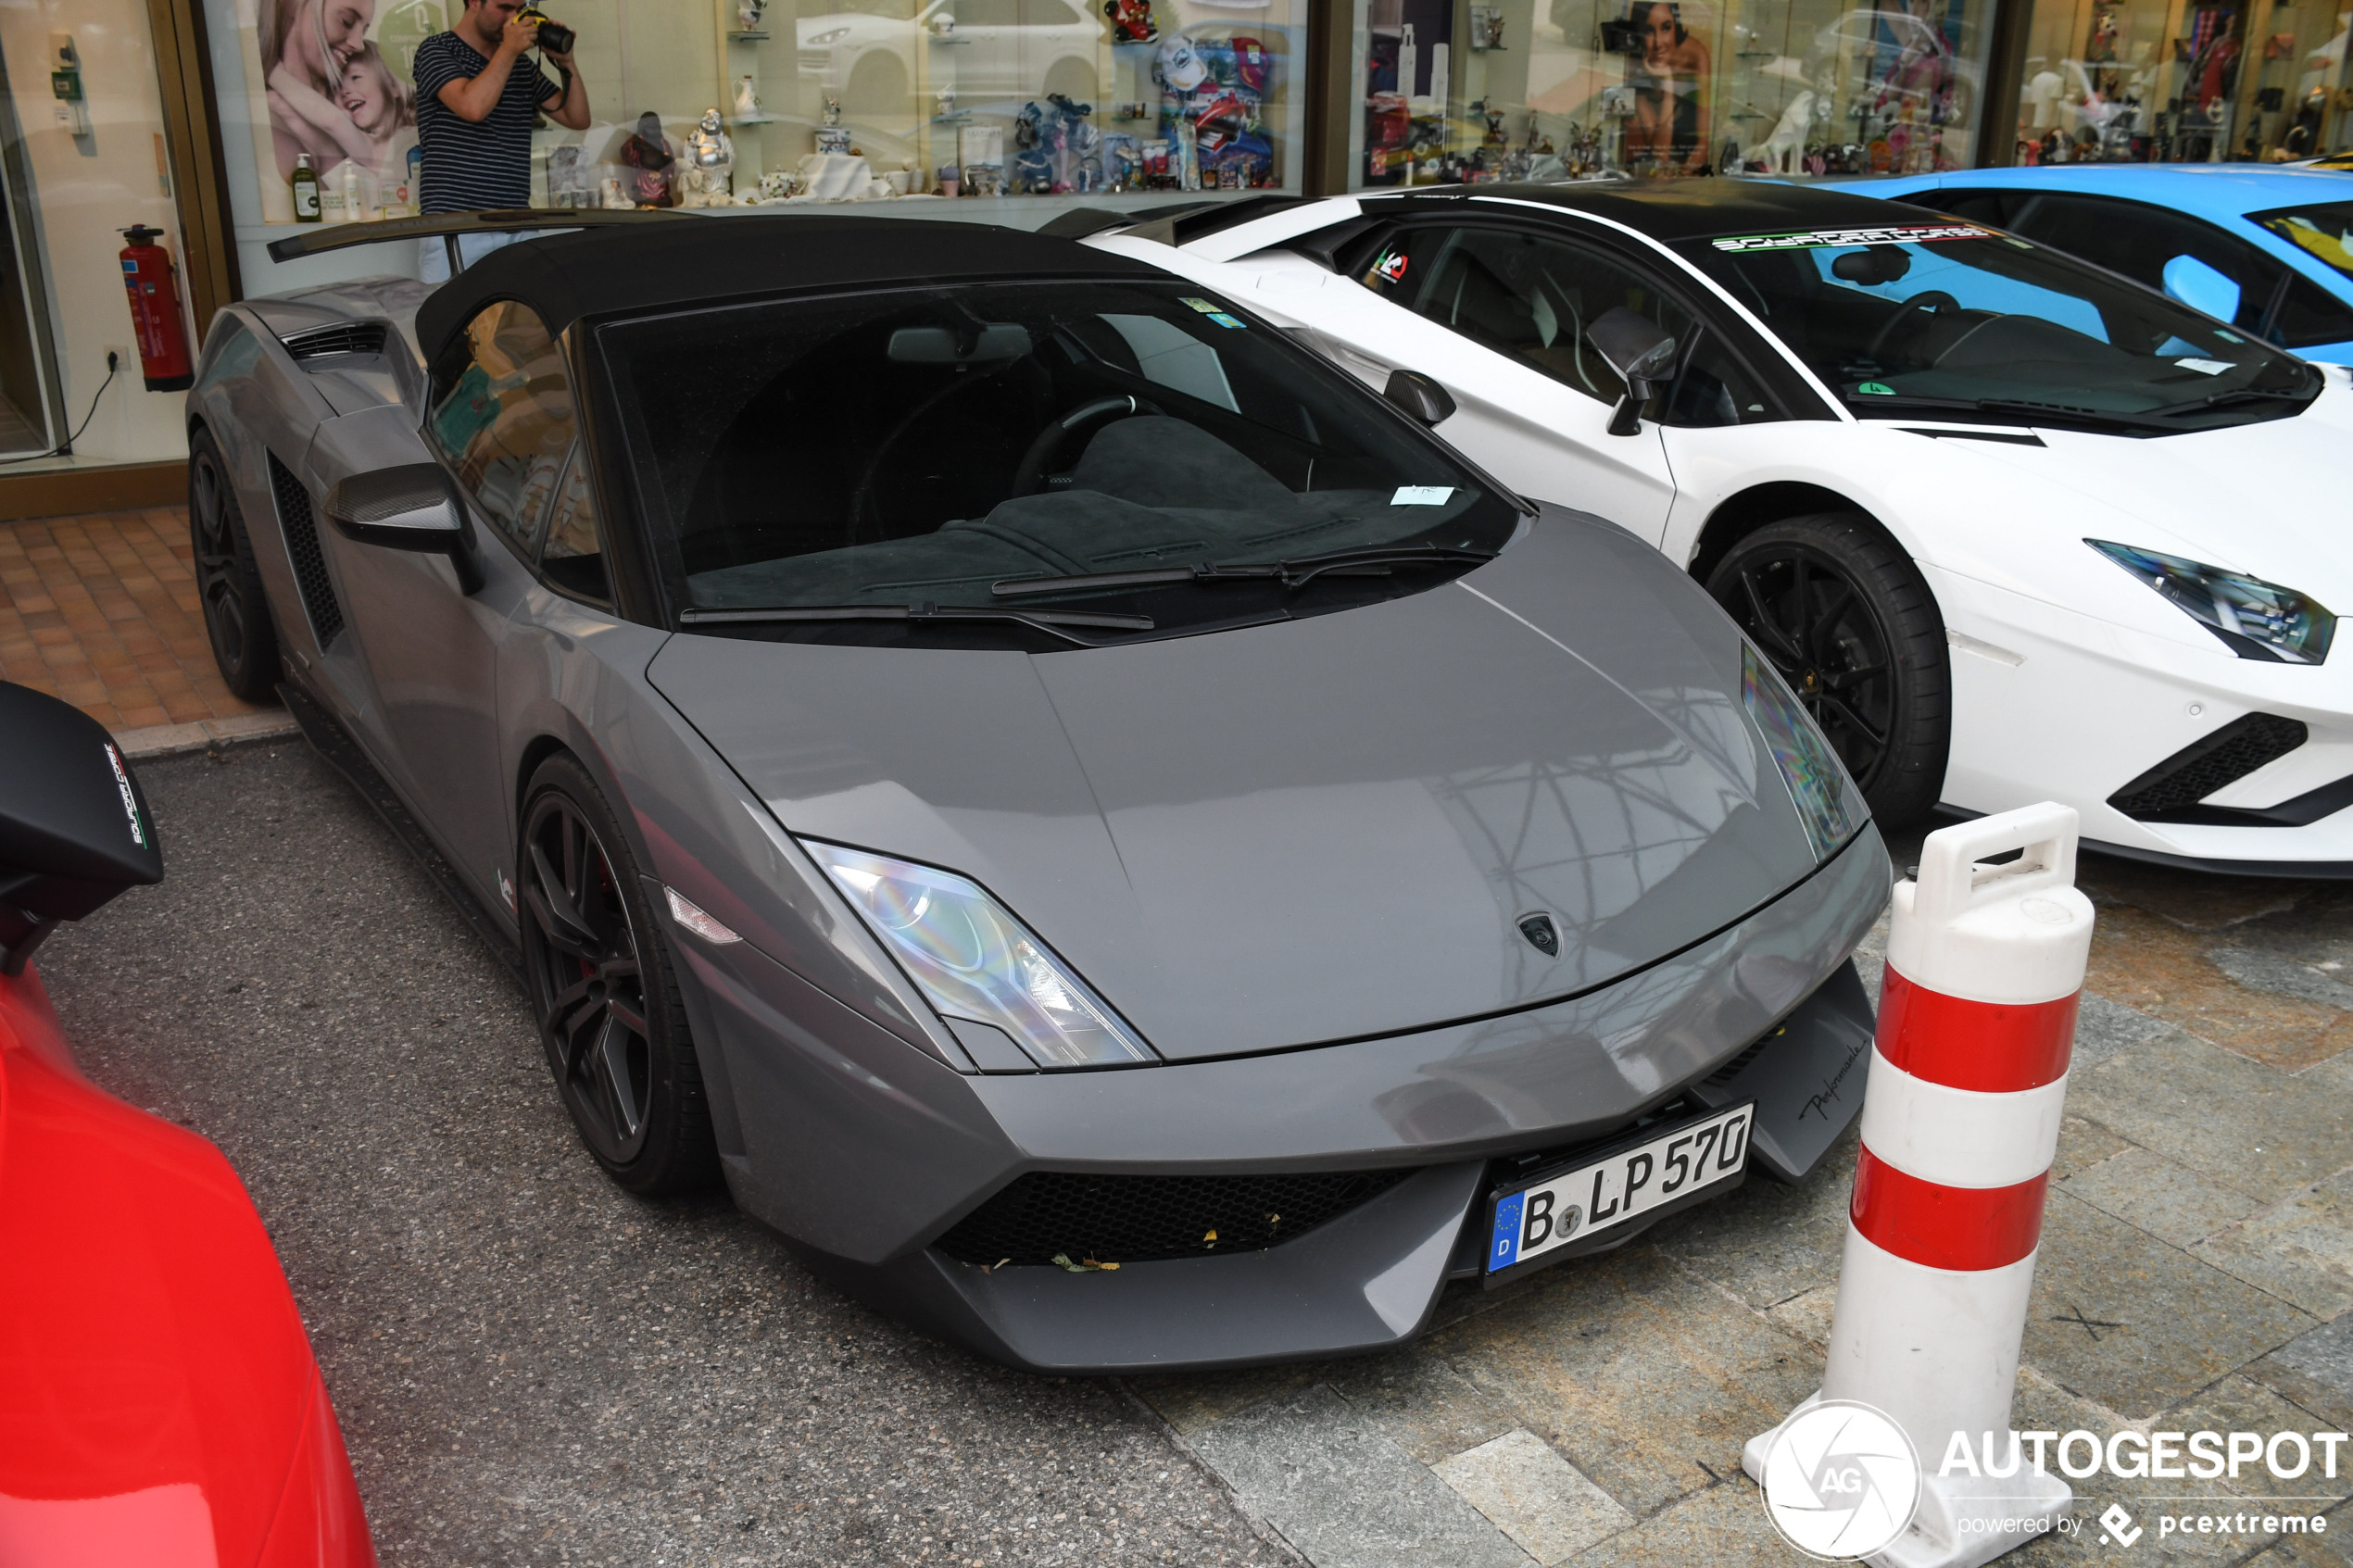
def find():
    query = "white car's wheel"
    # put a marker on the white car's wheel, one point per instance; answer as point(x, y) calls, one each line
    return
point(1845, 616)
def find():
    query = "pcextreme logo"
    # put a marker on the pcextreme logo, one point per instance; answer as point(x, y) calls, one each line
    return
point(1842, 1480)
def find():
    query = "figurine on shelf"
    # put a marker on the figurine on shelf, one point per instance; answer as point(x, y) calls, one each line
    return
point(1131, 21)
point(708, 177)
point(944, 102)
point(746, 98)
point(833, 136)
point(747, 13)
point(651, 161)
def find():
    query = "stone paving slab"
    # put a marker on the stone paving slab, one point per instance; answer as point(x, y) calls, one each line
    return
point(2178, 1324)
point(2195, 1271)
point(1343, 1494)
point(1531, 1494)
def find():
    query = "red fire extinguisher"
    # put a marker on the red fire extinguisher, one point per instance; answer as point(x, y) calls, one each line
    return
point(153, 286)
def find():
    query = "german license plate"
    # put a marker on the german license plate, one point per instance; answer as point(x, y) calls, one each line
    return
point(1542, 1213)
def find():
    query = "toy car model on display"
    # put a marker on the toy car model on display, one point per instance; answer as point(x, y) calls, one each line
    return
point(2014, 528)
point(159, 1401)
point(2268, 250)
point(1113, 840)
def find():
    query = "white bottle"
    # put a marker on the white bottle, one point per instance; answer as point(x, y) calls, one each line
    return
point(352, 211)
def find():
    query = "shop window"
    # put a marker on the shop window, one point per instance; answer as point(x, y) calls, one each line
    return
point(1547, 89)
point(2203, 81)
point(502, 416)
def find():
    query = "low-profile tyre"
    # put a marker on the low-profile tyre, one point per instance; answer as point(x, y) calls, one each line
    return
point(236, 612)
point(602, 987)
point(1848, 621)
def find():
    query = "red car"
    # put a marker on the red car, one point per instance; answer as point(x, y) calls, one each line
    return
point(159, 1401)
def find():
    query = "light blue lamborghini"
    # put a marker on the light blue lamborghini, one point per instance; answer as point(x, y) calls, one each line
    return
point(2268, 249)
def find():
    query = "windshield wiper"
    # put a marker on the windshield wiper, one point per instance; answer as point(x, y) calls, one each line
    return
point(2238, 395)
point(1051, 622)
point(2017, 408)
point(1370, 561)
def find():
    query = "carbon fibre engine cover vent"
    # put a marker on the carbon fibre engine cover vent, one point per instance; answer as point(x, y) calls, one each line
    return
point(1139, 1219)
point(338, 339)
point(2209, 763)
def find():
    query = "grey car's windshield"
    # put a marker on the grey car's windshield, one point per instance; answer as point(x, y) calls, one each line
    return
point(2324, 230)
point(924, 463)
point(1950, 319)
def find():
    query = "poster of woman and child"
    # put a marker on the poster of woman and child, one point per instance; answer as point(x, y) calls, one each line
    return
point(335, 83)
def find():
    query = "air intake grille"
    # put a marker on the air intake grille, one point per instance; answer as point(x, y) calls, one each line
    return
point(1138, 1218)
point(344, 337)
point(302, 548)
point(2204, 766)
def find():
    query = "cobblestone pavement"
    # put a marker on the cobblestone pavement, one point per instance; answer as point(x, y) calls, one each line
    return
point(534, 1368)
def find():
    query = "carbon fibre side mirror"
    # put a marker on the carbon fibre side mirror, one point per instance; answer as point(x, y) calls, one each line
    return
point(413, 507)
point(1419, 396)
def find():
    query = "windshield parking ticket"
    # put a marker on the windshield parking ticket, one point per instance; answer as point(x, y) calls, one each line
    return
point(1901, 234)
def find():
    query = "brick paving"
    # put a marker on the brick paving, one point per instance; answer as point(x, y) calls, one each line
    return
point(102, 612)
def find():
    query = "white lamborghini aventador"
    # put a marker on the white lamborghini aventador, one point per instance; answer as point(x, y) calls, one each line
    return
point(2014, 528)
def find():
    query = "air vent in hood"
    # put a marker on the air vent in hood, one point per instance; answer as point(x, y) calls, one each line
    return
point(342, 338)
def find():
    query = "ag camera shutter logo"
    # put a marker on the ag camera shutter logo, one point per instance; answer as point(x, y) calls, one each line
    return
point(1842, 1480)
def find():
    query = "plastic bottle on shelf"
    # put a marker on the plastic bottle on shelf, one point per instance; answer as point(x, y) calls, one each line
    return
point(305, 191)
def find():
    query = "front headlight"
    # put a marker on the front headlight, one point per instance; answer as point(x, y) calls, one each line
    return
point(831, 35)
point(2254, 619)
point(1817, 784)
point(976, 963)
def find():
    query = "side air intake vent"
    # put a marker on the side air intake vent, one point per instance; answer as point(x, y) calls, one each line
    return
point(342, 338)
point(2204, 766)
point(1138, 1218)
point(302, 548)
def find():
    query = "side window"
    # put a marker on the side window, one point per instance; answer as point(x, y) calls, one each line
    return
point(1531, 298)
point(502, 415)
point(2137, 240)
point(1714, 388)
point(573, 559)
point(2308, 315)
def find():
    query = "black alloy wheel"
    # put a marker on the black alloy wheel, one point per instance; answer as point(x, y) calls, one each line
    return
point(602, 987)
point(1842, 612)
point(236, 612)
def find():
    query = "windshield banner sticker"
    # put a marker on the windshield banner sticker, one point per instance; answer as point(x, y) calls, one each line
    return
point(1900, 234)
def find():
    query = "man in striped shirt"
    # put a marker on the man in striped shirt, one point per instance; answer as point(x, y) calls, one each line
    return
point(475, 99)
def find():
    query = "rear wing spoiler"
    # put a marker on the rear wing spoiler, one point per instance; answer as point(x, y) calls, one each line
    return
point(452, 227)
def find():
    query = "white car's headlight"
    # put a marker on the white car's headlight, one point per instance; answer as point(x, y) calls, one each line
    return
point(2254, 619)
point(976, 961)
point(1808, 767)
point(819, 40)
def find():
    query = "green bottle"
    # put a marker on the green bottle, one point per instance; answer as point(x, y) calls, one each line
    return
point(305, 189)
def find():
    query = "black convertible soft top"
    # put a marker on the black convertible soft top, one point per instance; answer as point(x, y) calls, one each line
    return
point(600, 272)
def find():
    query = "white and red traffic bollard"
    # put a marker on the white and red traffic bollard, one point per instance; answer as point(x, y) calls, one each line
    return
point(1960, 1119)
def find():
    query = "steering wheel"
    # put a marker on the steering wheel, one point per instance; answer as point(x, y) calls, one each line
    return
point(1927, 300)
point(1029, 474)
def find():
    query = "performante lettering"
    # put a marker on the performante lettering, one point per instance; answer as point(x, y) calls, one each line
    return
point(1919, 234)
